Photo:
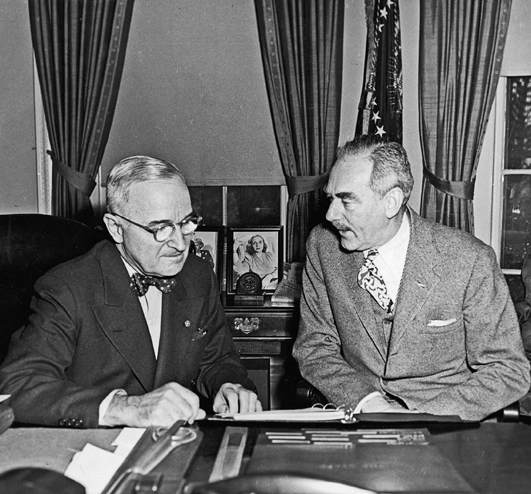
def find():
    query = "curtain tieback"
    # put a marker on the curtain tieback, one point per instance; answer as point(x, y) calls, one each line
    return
point(81, 181)
point(461, 190)
point(300, 185)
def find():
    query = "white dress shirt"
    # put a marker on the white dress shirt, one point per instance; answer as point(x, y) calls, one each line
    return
point(391, 259)
point(151, 304)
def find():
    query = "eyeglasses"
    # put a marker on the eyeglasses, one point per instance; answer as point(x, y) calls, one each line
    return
point(166, 230)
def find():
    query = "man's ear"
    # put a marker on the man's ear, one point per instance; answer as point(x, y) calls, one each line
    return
point(115, 229)
point(393, 201)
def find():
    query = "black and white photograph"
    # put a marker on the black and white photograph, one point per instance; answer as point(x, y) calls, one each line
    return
point(207, 243)
point(211, 210)
point(257, 250)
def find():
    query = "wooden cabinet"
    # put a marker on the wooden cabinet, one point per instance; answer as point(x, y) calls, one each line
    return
point(264, 337)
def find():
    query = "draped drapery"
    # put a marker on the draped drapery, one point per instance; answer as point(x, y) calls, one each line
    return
point(302, 52)
point(79, 50)
point(461, 49)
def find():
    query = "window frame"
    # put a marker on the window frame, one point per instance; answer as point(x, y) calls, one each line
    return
point(499, 171)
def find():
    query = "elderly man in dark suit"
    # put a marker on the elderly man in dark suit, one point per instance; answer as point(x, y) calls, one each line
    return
point(132, 332)
point(398, 313)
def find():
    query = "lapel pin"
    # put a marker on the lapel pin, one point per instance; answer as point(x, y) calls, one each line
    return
point(187, 323)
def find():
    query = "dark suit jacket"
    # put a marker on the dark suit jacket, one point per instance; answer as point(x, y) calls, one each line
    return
point(87, 335)
point(455, 346)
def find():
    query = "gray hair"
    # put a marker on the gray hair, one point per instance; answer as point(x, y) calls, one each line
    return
point(390, 164)
point(134, 170)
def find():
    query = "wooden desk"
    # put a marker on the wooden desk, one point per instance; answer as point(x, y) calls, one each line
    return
point(48, 447)
point(53, 448)
point(493, 458)
point(263, 336)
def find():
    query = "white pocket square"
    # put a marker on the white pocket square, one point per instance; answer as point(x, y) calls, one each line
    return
point(438, 322)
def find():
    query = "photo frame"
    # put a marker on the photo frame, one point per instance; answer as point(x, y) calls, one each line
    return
point(256, 249)
point(207, 243)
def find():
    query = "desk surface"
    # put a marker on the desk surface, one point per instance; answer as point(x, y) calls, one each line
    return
point(493, 458)
point(48, 447)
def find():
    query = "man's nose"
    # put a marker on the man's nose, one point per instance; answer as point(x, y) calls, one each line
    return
point(333, 212)
point(177, 240)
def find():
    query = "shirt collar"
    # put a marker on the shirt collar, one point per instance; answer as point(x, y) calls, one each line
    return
point(397, 246)
point(130, 269)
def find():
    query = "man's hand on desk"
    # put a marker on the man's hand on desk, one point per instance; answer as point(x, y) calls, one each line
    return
point(160, 408)
point(234, 398)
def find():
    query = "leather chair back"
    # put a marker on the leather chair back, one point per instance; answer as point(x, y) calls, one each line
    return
point(30, 245)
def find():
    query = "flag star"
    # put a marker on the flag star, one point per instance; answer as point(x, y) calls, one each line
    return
point(380, 131)
point(390, 3)
point(383, 12)
point(380, 27)
point(375, 116)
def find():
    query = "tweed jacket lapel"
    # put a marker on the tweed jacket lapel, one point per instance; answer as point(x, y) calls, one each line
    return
point(419, 278)
point(349, 265)
point(122, 319)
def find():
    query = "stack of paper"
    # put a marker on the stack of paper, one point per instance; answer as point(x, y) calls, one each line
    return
point(94, 467)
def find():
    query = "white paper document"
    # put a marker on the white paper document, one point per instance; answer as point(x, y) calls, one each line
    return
point(312, 414)
point(94, 467)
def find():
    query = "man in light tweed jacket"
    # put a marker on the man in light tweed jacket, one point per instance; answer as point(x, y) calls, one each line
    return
point(435, 331)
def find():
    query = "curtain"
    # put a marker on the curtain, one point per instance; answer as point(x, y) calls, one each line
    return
point(461, 49)
point(302, 52)
point(380, 109)
point(79, 50)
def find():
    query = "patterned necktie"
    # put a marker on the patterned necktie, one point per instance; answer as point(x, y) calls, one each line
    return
point(140, 283)
point(371, 280)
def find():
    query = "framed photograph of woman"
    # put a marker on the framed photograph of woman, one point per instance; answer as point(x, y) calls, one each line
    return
point(256, 249)
point(207, 243)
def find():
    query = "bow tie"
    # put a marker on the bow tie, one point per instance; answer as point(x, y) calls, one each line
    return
point(140, 283)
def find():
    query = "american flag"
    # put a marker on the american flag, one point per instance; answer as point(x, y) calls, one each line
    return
point(380, 110)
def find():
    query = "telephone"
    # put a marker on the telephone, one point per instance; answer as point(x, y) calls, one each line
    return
point(275, 483)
